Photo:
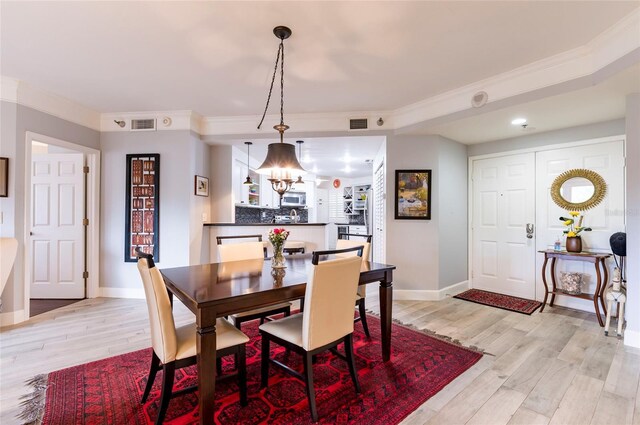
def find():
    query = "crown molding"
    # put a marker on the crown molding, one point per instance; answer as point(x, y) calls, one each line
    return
point(22, 93)
point(8, 89)
point(165, 120)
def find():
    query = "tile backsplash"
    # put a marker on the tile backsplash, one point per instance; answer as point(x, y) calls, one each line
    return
point(249, 215)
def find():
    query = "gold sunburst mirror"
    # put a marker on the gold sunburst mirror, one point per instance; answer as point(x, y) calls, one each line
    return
point(578, 189)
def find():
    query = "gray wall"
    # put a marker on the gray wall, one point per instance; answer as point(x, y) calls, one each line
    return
point(427, 254)
point(176, 190)
point(200, 205)
point(16, 121)
point(571, 134)
point(453, 210)
point(633, 219)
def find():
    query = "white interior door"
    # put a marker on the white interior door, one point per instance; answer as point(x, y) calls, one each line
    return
point(606, 159)
point(503, 258)
point(378, 241)
point(57, 234)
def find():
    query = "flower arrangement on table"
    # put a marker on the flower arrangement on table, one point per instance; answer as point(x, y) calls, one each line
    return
point(277, 237)
point(573, 230)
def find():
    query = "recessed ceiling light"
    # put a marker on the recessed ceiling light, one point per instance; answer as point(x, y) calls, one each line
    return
point(347, 169)
point(519, 121)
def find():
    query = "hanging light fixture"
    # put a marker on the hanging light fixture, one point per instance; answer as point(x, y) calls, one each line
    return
point(248, 180)
point(281, 160)
point(299, 142)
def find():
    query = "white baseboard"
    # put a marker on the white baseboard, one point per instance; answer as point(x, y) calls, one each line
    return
point(11, 318)
point(430, 294)
point(632, 338)
point(137, 293)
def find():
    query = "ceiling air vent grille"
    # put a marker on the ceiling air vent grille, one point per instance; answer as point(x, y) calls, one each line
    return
point(143, 125)
point(358, 124)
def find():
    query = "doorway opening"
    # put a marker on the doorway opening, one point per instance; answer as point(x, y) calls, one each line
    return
point(61, 223)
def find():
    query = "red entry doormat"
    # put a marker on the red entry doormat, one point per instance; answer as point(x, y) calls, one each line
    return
point(109, 391)
point(505, 302)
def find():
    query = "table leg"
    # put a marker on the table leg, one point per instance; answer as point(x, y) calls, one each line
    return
point(596, 295)
point(553, 281)
point(206, 351)
point(386, 302)
point(604, 284)
point(544, 280)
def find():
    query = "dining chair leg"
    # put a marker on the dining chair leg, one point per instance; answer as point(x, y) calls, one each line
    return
point(242, 374)
point(348, 349)
point(155, 364)
point(167, 387)
point(264, 367)
point(311, 394)
point(363, 317)
point(219, 366)
point(301, 304)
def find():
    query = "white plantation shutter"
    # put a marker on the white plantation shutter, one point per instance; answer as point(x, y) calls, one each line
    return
point(336, 207)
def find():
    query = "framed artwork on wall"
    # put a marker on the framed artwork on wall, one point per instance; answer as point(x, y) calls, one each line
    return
point(201, 186)
point(413, 195)
point(142, 223)
point(4, 177)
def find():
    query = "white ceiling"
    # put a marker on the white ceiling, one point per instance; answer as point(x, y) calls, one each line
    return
point(216, 58)
point(327, 156)
point(602, 102)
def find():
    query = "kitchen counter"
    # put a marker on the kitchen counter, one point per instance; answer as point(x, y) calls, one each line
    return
point(265, 224)
point(314, 235)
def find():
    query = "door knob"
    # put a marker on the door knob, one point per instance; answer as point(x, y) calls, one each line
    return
point(529, 230)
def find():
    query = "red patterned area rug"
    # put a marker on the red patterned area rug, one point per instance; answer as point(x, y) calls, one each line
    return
point(108, 391)
point(505, 302)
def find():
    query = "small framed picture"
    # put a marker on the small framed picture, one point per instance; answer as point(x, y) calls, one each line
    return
point(4, 177)
point(413, 195)
point(201, 186)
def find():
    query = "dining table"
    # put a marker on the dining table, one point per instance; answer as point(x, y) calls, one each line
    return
point(218, 290)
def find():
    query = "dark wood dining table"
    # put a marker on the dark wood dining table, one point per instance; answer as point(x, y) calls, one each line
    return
point(216, 290)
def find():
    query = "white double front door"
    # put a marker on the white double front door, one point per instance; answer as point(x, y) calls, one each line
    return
point(511, 192)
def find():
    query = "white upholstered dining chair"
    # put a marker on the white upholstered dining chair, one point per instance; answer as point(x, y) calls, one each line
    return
point(249, 251)
point(175, 348)
point(327, 319)
point(362, 289)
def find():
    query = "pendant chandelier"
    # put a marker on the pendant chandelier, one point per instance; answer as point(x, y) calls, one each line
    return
point(299, 142)
point(281, 161)
point(248, 180)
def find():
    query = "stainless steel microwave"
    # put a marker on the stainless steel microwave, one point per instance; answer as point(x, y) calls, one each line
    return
point(294, 199)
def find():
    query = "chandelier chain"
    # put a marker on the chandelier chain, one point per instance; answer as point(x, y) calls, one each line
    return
point(273, 79)
point(282, 83)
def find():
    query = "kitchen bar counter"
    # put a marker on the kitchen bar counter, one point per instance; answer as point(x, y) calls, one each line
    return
point(314, 235)
point(265, 224)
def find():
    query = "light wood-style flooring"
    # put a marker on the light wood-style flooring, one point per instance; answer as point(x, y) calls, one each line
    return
point(555, 367)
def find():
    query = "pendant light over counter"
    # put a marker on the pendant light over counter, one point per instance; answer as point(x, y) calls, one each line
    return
point(299, 142)
point(248, 180)
point(281, 162)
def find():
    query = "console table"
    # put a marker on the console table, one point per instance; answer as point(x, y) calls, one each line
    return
point(597, 258)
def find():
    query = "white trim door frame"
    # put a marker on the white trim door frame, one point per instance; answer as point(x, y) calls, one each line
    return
point(93, 213)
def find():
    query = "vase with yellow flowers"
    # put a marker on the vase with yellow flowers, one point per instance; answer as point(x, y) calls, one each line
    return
point(573, 230)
